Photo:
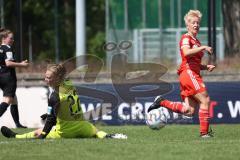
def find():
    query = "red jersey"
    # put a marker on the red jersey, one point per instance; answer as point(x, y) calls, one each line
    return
point(192, 62)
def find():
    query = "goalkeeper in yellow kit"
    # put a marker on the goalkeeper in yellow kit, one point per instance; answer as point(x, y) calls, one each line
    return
point(64, 111)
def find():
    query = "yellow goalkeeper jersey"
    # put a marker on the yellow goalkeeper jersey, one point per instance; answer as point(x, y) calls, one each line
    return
point(70, 120)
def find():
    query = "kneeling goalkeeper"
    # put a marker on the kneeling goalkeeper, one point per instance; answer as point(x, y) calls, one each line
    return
point(64, 111)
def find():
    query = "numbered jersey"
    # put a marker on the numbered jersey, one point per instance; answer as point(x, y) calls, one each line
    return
point(69, 109)
point(69, 113)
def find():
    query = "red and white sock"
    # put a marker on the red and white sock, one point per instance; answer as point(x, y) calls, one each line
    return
point(204, 121)
point(177, 107)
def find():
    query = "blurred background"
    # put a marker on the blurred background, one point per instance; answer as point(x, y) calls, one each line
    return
point(46, 30)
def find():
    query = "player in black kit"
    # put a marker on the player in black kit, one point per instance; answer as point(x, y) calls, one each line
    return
point(8, 79)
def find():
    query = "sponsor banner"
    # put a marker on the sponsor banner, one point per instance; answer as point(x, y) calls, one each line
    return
point(116, 105)
point(224, 107)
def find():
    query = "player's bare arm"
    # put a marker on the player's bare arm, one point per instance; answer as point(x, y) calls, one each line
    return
point(187, 51)
point(16, 64)
point(208, 67)
point(208, 49)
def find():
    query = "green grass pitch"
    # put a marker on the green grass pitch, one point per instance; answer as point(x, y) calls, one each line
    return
point(174, 142)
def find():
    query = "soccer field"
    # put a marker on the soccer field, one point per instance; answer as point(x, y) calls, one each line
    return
point(172, 142)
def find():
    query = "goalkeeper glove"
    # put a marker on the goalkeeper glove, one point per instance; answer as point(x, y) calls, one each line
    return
point(44, 116)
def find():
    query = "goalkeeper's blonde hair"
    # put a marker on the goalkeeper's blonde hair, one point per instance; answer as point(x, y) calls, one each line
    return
point(192, 13)
point(58, 71)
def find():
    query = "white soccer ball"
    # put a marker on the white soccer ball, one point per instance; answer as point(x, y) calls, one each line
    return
point(156, 119)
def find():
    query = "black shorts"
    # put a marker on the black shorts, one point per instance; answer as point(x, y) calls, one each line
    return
point(8, 84)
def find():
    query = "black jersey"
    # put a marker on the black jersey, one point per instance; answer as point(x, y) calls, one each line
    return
point(6, 53)
point(8, 80)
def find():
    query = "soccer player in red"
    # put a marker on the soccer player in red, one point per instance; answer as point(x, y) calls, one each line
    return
point(193, 89)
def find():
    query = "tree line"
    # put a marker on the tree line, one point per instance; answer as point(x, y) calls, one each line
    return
point(38, 19)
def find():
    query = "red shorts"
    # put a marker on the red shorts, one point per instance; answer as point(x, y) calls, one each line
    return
point(190, 83)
